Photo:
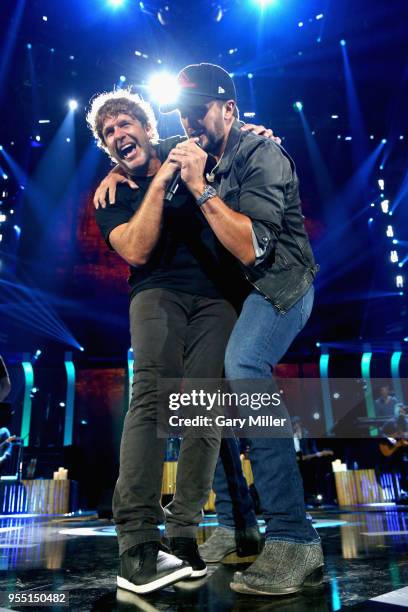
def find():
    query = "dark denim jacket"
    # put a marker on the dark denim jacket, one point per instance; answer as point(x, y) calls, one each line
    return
point(258, 178)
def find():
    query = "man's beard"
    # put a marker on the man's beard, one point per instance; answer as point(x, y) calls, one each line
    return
point(213, 144)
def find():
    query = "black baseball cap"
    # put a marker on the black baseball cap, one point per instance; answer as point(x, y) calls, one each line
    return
point(201, 83)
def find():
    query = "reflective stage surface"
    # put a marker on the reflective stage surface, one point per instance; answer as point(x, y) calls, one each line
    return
point(366, 552)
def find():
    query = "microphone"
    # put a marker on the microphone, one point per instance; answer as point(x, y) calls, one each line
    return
point(172, 188)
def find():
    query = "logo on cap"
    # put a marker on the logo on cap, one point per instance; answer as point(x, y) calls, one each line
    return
point(184, 81)
point(221, 90)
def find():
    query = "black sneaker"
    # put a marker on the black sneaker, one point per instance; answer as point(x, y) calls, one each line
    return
point(147, 567)
point(187, 550)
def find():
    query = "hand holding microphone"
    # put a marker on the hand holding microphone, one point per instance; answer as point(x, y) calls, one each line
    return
point(191, 159)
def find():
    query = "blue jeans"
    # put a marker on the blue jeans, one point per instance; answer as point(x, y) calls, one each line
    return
point(260, 338)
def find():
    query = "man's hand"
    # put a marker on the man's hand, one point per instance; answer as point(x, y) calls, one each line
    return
point(165, 174)
point(191, 160)
point(261, 130)
point(108, 185)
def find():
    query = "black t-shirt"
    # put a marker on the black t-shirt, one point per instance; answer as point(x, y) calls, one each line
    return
point(188, 257)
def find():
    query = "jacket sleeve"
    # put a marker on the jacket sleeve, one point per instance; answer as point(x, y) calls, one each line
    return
point(265, 173)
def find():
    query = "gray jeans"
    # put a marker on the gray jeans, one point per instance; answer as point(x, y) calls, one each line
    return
point(174, 335)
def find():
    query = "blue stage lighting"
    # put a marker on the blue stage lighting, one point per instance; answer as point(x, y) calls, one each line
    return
point(383, 140)
point(250, 75)
point(164, 88)
point(300, 24)
point(116, 3)
point(370, 220)
point(68, 140)
point(343, 42)
point(264, 3)
point(81, 348)
point(1, 147)
point(17, 229)
point(318, 344)
point(73, 105)
point(122, 78)
point(29, 46)
point(298, 106)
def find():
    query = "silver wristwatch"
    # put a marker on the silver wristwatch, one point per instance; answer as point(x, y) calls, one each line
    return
point(209, 192)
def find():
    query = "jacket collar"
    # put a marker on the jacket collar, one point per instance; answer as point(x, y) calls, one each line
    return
point(231, 148)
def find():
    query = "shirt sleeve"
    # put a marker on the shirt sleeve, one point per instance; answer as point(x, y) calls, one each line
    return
point(113, 215)
point(262, 196)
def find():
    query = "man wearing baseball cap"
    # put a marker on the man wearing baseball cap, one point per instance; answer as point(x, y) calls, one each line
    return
point(251, 202)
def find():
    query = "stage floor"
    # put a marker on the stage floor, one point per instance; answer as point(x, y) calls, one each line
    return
point(366, 553)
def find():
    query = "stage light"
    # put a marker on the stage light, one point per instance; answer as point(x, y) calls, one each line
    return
point(62, 404)
point(81, 348)
point(381, 184)
point(163, 88)
point(320, 16)
point(401, 137)
point(343, 42)
point(371, 137)
point(5, 177)
point(399, 281)
point(68, 140)
point(348, 138)
point(44, 121)
point(372, 204)
point(122, 78)
point(72, 57)
point(38, 138)
point(383, 140)
point(390, 231)
point(116, 3)
point(338, 137)
point(300, 24)
point(394, 257)
point(73, 105)
point(395, 241)
point(370, 220)
point(250, 75)
point(29, 46)
point(318, 344)
point(45, 18)
point(3, 218)
point(406, 339)
point(334, 116)
point(316, 416)
point(1, 147)
point(17, 229)
point(264, 3)
point(385, 206)
point(298, 106)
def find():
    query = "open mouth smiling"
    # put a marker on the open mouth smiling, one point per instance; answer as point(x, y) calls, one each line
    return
point(127, 150)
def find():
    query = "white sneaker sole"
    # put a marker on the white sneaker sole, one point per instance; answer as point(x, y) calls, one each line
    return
point(160, 583)
point(198, 573)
